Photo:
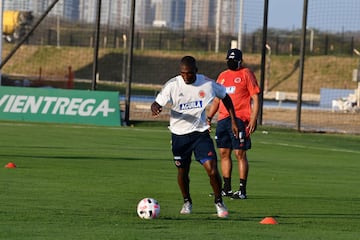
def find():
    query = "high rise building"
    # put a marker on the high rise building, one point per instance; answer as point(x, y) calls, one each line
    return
point(199, 15)
point(20, 5)
point(177, 14)
point(169, 13)
point(143, 16)
point(229, 16)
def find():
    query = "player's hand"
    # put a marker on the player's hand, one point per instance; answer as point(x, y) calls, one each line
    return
point(156, 109)
point(251, 127)
point(235, 129)
point(208, 121)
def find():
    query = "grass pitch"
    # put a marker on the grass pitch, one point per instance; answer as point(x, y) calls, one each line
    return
point(84, 182)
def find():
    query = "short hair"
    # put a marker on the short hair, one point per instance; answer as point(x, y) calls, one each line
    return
point(188, 61)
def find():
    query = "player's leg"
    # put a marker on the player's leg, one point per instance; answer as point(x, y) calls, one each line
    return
point(243, 167)
point(184, 181)
point(182, 159)
point(215, 182)
point(223, 142)
point(226, 170)
point(214, 176)
point(184, 185)
point(205, 153)
point(243, 164)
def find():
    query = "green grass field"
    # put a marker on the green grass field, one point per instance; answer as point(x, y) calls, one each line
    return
point(84, 182)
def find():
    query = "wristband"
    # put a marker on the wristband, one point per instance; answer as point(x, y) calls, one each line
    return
point(208, 119)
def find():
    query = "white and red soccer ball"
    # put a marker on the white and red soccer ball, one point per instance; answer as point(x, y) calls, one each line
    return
point(148, 208)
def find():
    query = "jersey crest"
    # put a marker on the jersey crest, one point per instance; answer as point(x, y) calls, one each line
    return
point(237, 80)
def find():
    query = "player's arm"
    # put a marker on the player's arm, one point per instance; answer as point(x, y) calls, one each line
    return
point(230, 107)
point(254, 113)
point(212, 110)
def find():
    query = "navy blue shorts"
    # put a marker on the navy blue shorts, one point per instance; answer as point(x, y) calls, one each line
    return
point(198, 142)
point(226, 139)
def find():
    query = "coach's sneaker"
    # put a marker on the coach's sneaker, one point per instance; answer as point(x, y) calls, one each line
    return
point(186, 209)
point(222, 211)
point(226, 193)
point(239, 195)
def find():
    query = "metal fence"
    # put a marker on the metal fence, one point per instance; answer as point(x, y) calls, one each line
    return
point(61, 47)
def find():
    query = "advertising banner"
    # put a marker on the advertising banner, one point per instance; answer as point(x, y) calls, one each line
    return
point(59, 105)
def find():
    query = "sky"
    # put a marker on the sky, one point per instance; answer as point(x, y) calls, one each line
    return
point(329, 15)
point(285, 14)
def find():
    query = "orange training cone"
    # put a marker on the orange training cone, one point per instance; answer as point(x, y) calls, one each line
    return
point(10, 165)
point(268, 220)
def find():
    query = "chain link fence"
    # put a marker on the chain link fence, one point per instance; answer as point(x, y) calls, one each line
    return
point(62, 49)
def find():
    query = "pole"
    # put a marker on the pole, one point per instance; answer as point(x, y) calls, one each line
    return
point(58, 30)
point(129, 62)
point(241, 13)
point(1, 38)
point(263, 60)
point(311, 40)
point(217, 27)
point(96, 47)
point(301, 66)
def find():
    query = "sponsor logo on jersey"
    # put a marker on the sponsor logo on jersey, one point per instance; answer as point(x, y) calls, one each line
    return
point(230, 90)
point(191, 105)
point(222, 81)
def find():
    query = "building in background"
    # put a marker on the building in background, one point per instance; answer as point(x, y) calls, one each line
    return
point(173, 14)
point(199, 15)
point(20, 5)
point(229, 16)
point(169, 13)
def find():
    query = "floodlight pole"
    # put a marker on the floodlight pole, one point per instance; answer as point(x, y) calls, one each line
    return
point(130, 62)
point(301, 66)
point(96, 47)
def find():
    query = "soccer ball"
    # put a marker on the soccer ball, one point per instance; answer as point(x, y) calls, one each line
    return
point(148, 208)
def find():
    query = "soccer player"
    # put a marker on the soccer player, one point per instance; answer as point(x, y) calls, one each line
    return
point(241, 85)
point(189, 93)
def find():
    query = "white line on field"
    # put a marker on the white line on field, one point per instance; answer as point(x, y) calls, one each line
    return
point(311, 147)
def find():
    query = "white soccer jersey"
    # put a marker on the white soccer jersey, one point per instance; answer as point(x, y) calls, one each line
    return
point(188, 102)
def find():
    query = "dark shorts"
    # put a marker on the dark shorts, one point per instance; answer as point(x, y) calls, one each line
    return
point(226, 139)
point(198, 142)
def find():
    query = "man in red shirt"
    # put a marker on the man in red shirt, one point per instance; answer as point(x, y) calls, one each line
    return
point(241, 85)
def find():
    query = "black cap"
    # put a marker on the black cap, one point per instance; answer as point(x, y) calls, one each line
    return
point(234, 54)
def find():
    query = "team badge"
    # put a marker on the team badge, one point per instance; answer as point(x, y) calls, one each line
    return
point(201, 94)
point(237, 80)
point(222, 81)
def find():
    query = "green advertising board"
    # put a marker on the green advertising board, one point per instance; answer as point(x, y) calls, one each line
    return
point(59, 105)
